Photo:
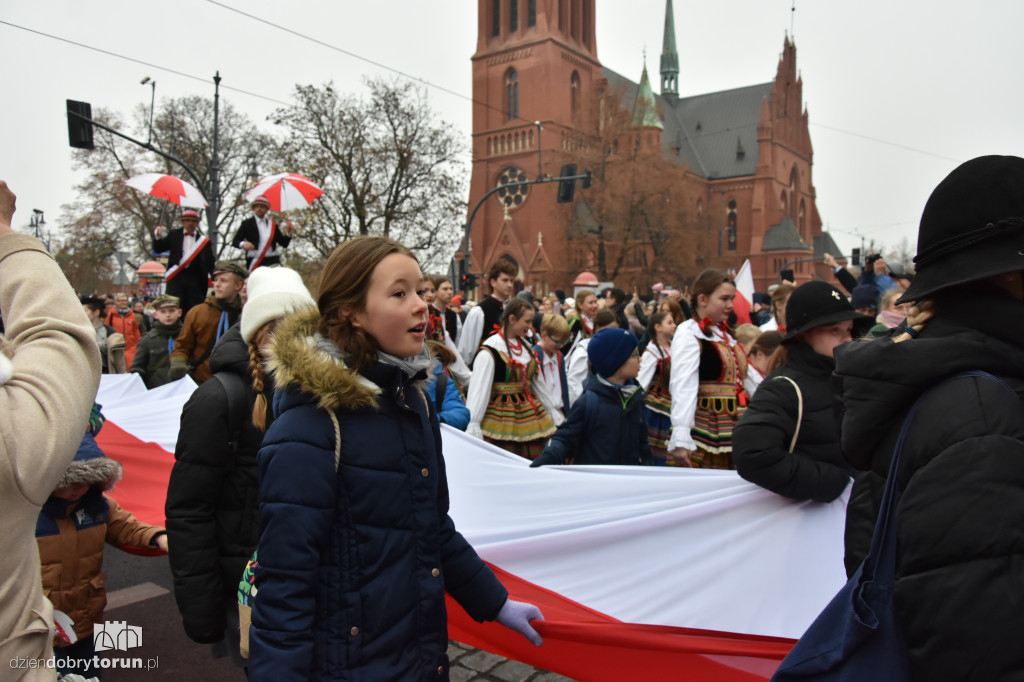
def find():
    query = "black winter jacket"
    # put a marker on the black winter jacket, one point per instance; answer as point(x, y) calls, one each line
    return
point(354, 563)
point(815, 470)
point(213, 496)
point(600, 429)
point(960, 569)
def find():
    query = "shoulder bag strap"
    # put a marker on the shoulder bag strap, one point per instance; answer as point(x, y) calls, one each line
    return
point(799, 411)
point(337, 438)
point(234, 388)
point(881, 560)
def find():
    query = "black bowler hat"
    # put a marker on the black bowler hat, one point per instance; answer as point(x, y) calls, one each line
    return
point(972, 226)
point(814, 304)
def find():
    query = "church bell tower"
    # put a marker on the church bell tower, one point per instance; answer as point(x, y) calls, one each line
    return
point(534, 69)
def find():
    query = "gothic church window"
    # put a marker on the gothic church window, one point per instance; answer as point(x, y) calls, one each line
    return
point(496, 17)
point(512, 94)
point(531, 13)
point(793, 178)
point(574, 94)
point(513, 16)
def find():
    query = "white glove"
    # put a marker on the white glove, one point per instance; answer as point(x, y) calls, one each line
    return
point(474, 430)
point(159, 232)
point(516, 615)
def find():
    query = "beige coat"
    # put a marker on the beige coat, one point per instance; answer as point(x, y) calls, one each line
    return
point(44, 409)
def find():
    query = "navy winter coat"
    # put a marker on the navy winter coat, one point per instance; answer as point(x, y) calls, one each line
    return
point(354, 564)
point(600, 429)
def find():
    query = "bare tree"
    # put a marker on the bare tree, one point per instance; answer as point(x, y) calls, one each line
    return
point(107, 215)
point(635, 226)
point(387, 166)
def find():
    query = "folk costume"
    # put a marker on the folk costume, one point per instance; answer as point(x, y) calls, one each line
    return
point(480, 323)
point(551, 370)
point(708, 398)
point(437, 330)
point(509, 407)
point(655, 373)
point(267, 235)
point(581, 327)
point(189, 265)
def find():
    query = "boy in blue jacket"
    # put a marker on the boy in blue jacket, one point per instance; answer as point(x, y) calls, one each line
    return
point(607, 424)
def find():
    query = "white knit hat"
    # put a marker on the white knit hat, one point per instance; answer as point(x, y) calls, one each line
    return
point(273, 292)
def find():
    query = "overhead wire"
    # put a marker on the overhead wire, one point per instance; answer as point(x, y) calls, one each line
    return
point(140, 61)
point(394, 70)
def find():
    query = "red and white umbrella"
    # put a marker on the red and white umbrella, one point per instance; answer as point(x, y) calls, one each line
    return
point(174, 190)
point(285, 191)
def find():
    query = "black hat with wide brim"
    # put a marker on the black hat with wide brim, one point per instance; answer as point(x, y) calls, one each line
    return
point(816, 303)
point(972, 226)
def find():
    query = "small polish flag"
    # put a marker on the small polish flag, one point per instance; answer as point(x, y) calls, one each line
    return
point(744, 294)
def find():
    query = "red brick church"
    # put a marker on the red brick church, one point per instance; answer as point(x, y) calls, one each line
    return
point(744, 155)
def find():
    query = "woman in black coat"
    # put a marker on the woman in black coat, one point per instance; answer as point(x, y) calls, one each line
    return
point(788, 439)
point(213, 500)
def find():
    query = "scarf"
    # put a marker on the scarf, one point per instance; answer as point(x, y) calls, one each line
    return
point(626, 391)
point(412, 365)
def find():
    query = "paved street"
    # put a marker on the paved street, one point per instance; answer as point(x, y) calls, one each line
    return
point(140, 594)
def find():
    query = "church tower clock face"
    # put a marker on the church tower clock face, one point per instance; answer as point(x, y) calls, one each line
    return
point(512, 197)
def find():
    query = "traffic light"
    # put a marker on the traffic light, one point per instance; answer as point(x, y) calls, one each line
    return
point(567, 188)
point(855, 257)
point(80, 129)
point(587, 178)
point(731, 231)
point(468, 282)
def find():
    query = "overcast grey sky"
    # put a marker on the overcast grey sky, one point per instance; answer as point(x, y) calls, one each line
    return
point(898, 93)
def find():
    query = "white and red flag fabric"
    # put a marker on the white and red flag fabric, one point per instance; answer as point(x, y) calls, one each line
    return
point(744, 293)
point(641, 572)
point(168, 187)
point(285, 191)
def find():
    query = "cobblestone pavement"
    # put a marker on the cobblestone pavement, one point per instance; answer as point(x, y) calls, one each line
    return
point(469, 664)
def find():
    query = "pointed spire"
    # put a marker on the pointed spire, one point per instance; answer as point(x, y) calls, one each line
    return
point(645, 110)
point(669, 55)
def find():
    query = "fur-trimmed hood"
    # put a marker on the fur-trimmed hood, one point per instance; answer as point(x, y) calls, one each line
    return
point(91, 467)
point(299, 355)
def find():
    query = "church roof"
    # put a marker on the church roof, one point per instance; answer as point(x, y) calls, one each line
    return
point(645, 111)
point(784, 237)
point(715, 134)
point(825, 244)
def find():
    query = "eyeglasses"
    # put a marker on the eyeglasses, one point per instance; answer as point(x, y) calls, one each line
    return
point(560, 342)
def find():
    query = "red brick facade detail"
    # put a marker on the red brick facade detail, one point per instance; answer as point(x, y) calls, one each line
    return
point(540, 66)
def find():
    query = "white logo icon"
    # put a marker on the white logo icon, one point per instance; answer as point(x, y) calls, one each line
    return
point(835, 295)
point(116, 635)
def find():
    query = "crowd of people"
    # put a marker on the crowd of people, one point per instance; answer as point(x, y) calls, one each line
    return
point(326, 415)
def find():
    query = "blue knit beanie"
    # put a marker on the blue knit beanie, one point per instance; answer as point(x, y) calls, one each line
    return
point(864, 296)
point(609, 349)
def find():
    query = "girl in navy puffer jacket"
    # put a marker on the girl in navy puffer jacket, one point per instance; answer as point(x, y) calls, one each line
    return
point(356, 547)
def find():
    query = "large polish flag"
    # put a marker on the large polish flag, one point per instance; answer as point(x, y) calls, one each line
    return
point(645, 573)
point(744, 293)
